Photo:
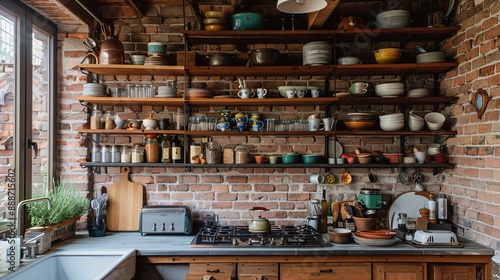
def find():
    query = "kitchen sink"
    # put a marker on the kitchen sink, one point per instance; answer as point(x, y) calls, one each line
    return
point(79, 265)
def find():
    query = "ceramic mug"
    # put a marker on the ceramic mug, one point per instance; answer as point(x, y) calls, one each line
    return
point(369, 178)
point(315, 124)
point(134, 124)
point(317, 178)
point(315, 93)
point(273, 159)
point(222, 126)
point(328, 123)
point(441, 157)
point(291, 93)
point(261, 159)
point(245, 93)
point(301, 93)
point(261, 92)
point(421, 156)
point(358, 88)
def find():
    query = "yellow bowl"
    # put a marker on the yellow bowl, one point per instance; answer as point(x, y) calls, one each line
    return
point(214, 14)
point(388, 55)
point(215, 27)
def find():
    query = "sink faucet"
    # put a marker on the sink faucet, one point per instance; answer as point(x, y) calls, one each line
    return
point(20, 206)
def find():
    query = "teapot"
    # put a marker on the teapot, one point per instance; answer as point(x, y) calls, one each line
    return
point(259, 224)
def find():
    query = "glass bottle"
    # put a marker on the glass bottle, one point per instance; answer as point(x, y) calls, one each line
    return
point(329, 219)
point(324, 213)
point(213, 153)
point(152, 149)
point(340, 221)
point(179, 119)
point(228, 154)
point(176, 155)
point(242, 154)
point(165, 149)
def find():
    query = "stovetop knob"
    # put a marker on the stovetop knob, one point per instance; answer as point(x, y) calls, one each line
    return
point(235, 242)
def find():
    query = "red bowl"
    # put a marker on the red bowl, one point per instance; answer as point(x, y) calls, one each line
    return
point(376, 234)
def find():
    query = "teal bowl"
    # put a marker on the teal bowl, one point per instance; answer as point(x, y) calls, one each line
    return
point(312, 158)
point(248, 21)
point(290, 158)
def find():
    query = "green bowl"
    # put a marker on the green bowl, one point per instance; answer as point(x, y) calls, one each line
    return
point(290, 158)
point(312, 158)
point(248, 21)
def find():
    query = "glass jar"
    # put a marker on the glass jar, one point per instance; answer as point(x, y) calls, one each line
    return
point(242, 155)
point(106, 153)
point(194, 152)
point(152, 149)
point(115, 153)
point(95, 119)
point(109, 120)
point(213, 153)
point(126, 154)
point(137, 155)
point(179, 119)
point(96, 153)
point(228, 154)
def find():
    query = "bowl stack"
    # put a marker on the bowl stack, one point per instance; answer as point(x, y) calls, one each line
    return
point(393, 19)
point(418, 92)
point(390, 89)
point(392, 122)
point(415, 122)
point(157, 54)
point(215, 21)
point(137, 58)
point(167, 91)
point(360, 121)
point(95, 89)
point(428, 57)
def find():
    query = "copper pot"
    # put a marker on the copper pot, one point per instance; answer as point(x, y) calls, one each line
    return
point(112, 51)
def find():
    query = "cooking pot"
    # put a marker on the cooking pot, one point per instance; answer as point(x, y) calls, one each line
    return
point(248, 21)
point(259, 224)
point(221, 59)
point(264, 56)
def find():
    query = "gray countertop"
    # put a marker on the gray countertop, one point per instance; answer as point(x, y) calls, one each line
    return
point(178, 245)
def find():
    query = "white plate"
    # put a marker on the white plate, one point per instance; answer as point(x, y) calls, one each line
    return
point(409, 203)
point(374, 242)
point(343, 93)
point(335, 148)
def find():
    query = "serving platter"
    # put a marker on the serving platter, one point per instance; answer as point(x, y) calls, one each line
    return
point(408, 202)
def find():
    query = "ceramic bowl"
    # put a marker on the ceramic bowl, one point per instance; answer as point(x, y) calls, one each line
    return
point(340, 235)
point(391, 125)
point(346, 60)
point(137, 59)
point(394, 158)
point(388, 55)
point(215, 27)
point(434, 120)
point(290, 158)
point(365, 160)
point(431, 57)
point(311, 158)
point(360, 125)
point(393, 19)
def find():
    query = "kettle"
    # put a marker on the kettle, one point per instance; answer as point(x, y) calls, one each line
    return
point(259, 224)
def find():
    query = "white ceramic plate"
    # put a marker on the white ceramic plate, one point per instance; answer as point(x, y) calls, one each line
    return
point(374, 242)
point(409, 203)
point(335, 149)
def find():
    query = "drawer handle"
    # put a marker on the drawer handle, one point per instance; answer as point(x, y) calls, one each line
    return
point(326, 270)
point(213, 270)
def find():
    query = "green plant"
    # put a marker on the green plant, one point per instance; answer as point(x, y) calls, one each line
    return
point(65, 201)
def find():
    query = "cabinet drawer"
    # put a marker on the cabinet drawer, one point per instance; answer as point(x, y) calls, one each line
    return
point(213, 268)
point(320, 271)
point(208, 276)
point(258, 277)
point(399, 271)
point(258, 268)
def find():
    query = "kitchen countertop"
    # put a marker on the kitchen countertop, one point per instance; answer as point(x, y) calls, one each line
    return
point(178, 245)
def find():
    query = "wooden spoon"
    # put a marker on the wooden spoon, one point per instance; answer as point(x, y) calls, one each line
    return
point(335, 211)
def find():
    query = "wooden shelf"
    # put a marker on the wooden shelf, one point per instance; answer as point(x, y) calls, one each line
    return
point(376, 100)
point(394, 69)
point(296, 70)
point(243, 37)
point(132, 101)
point(126, 69)
point(261, 101)
point(130, 131)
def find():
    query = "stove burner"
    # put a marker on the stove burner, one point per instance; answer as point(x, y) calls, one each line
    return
point(240, 236)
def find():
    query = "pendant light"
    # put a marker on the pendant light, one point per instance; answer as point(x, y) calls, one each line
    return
point(300, 6)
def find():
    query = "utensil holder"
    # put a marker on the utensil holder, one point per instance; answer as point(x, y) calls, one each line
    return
point(97, 230)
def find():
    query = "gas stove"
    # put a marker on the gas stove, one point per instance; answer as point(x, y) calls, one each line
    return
point(239, 236)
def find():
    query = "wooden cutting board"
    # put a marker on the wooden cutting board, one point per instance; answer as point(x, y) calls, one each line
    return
point(125, 201)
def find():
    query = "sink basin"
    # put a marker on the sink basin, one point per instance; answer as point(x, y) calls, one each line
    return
point(79, 265)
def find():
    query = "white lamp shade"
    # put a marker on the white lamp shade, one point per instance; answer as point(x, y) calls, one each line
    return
point(300, 6)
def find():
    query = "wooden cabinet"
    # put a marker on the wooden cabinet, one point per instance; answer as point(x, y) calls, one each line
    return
point(399, 271)
point(325, 271)
point(453, 272)
point(212, 271)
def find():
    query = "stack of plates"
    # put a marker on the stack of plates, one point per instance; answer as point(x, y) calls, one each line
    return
point(374, 242)
point(156, 59)
point(375, 234)
point(418, 92)
point(167, 91)
point(94, 89)
point(392, 122)
point(215, 21)
point(199, 93)
point(428, 57)
point(390, 89)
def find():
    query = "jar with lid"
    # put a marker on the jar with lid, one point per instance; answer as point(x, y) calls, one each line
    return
point(228, 154)
point(213, 153)
point(137, 155)
point(152, 148)
point(95, 119)
point(106, 153)
point(109, 120)
point(180, 119)
point(96, 153)
point(242, 154)
point(115, 153)
point(194, 152)
point(126, 154)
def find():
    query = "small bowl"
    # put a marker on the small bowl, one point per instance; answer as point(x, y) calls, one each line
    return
point(434, 120)
point(364, 223)
point(391, 125)
point(365, 160)
point(215, 27)
point(340, 235)
point(137, 59)
point(312, 158)
point(394, 158)
point(388, 55)
point(346, 60)
point(290, 158)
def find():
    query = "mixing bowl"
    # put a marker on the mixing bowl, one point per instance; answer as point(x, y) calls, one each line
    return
point(388, 55)
point(393, 19)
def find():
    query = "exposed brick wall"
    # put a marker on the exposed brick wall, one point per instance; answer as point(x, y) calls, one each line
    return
point(473, 185)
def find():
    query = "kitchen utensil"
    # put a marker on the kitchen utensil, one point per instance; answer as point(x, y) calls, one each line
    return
point(125, 204)
point(259, 224)
point(316, 53)
point(370, 198)
point(340, 235)
point(393, 19)
point(112, 51)
point(221, 59)
point(374, 242)
point(435, 237)
point(346, 178)
point(95, 206)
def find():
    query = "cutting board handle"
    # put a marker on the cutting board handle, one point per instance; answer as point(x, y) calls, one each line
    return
point(126, 173)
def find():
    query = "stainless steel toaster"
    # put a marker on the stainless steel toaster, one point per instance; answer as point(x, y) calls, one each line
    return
point(165, 219)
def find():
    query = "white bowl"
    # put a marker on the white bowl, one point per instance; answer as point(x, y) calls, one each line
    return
point(389, 92)
point(346, 60)
point(391, 126)
point(391, 116)
point(390, 85)
point(428, 57)
point(434, 120)
point(393, 19)
point(415, 125)
point(283, 89)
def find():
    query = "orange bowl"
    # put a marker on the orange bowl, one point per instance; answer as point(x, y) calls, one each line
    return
point(215, 27)
point(360, 125)
point(376, 234)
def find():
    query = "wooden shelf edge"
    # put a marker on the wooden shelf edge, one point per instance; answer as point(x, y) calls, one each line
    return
point(128, 69)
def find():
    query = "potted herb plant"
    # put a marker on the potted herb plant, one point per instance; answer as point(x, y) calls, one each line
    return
point(67, 205)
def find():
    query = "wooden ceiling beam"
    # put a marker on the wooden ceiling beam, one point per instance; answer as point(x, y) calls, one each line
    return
point(78, 11)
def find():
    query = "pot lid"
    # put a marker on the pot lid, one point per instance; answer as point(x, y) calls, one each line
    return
point(370, 191)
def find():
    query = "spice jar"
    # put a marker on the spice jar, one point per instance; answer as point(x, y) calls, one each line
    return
point(137, 155)
point(152, 148)
point(228, 154)
point(109, 120)
point(213, 153)
point(126, 154)
point(95, 119)
point(242, 154)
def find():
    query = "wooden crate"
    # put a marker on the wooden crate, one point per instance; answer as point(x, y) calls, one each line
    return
point(64, 230)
